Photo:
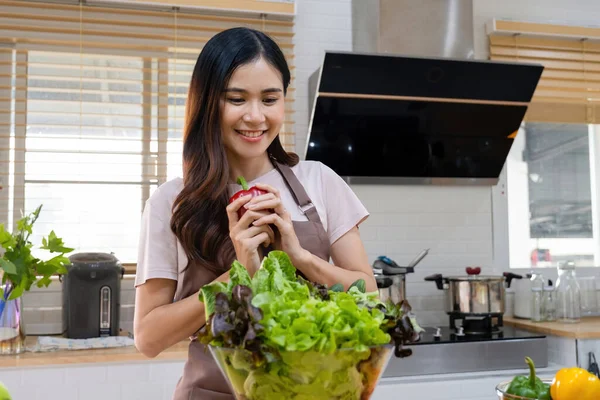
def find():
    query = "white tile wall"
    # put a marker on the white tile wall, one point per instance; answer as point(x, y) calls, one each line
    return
point(453, 224)
point(320, 25)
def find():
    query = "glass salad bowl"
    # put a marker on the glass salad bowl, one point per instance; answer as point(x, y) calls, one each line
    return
point(503, 387)
point(345, 374)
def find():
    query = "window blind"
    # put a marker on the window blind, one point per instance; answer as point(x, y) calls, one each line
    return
point(92, 101)
point(569, 89)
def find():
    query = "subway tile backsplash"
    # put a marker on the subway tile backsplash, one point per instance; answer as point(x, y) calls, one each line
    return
point(453, 222)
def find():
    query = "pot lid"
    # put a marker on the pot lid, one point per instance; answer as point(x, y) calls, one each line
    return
point(476, 278)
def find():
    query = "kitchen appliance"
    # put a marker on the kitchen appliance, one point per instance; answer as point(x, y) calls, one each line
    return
point(522, 289)
point(91, 292)
point(395, 119)
point(410, 104)
point(474, 295)
point(443, 350)
point(391, 278)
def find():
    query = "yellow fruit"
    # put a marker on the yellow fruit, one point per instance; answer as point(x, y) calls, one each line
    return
point(575, 384)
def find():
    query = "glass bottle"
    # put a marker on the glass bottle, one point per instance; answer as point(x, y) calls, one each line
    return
point(568, 294)
point(537, 291)
point(549, 303)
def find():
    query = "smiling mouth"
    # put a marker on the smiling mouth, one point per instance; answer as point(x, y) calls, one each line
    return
point(251, 134)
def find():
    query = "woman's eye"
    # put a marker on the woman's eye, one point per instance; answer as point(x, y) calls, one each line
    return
point(271, 100)
point(235, 100)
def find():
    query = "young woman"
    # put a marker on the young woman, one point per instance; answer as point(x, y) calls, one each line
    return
point(190, 234)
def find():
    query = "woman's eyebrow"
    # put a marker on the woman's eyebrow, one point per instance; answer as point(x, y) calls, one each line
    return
point(239, 90)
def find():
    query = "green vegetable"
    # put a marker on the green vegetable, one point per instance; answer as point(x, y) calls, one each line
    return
point(338, 287)
point(278, 335)
point(297, 316)
point(4, 395)
point(360, 285)
point(21, 268)
point(530, 387)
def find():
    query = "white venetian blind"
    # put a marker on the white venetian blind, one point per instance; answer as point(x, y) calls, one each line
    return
point(92, 101)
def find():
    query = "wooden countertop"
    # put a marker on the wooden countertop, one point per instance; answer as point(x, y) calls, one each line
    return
point(65, 357)
point(588, 328)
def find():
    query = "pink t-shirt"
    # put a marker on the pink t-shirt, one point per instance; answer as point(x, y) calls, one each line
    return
point(160, 254)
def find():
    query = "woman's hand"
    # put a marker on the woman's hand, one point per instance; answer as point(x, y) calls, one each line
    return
point(246, 237)
point(285, 236)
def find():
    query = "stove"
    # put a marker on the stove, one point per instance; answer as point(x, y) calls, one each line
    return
point(476, 324)
point(472, 345)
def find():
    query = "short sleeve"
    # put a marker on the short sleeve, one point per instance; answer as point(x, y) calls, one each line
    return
point(157, 248)
point(344, 209)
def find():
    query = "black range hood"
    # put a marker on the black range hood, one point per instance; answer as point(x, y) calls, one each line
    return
point(404, 120)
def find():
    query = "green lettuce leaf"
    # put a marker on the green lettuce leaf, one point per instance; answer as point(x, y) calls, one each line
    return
point(208, 294)
point(238, 275)
point(283, 264)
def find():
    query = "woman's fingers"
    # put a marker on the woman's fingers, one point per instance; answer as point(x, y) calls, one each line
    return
point(267, 201)
point(255, 241)
point(254, 231)
point(270, 204)
point(274, 219)
point(232, 209)
point(268, 188)
point(249, 217)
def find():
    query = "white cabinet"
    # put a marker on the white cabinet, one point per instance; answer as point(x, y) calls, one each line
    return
point(464, 386)
point(156, 380)
point(147, 380)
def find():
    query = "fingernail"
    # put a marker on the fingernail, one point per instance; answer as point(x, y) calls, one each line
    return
point(249, 206)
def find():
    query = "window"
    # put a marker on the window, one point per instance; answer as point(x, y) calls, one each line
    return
point(552, 171)
point(551, 191)
point(92, 109)
point(91, 147)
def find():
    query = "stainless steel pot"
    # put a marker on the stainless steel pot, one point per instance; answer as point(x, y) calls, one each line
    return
point(474, 294)
point(391, 278)
point(391, 287)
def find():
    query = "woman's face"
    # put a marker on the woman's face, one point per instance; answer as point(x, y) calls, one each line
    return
point(252, 109)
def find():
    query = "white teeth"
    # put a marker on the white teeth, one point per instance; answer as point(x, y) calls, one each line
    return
point(250, 134)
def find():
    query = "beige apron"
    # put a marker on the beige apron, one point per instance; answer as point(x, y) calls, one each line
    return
point(202, 379)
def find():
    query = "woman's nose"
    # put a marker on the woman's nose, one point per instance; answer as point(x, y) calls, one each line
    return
point(254, 114)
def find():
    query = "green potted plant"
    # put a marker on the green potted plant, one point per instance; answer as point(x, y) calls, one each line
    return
point(20, 269)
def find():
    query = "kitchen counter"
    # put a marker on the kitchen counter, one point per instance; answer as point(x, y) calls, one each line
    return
point(177, 352)
point(588, 328)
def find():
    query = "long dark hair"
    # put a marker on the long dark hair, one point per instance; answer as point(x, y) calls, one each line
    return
point(199, 218)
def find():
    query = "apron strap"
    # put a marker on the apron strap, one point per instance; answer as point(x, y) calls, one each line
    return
point(300, 196)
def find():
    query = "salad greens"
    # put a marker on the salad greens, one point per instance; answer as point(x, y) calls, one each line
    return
point(279, 335)
point(277, 311)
